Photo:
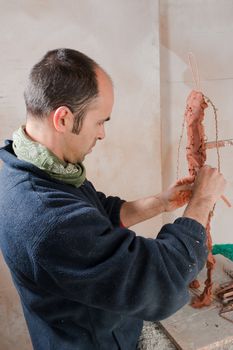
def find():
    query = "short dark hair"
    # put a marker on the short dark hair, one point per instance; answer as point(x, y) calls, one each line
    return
point(63, 77)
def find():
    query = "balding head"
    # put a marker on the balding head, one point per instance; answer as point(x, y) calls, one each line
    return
point(63, 77)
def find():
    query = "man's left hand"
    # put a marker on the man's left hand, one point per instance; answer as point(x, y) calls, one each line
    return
point(177, 194)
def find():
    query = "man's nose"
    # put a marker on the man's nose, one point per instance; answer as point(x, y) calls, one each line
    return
point(101, 134)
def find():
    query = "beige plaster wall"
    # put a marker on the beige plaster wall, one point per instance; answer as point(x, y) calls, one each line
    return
point(206, 29)
point(123, 37)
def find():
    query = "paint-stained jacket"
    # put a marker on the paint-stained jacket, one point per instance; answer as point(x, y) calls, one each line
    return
point(85, 282)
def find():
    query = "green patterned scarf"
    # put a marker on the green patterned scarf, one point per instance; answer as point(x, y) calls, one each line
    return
point(43, 158)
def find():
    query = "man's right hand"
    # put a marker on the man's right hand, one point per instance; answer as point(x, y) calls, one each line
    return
point(208, 187)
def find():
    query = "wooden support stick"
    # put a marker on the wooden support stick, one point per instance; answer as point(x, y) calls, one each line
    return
point(225, 200)
point(220, 143)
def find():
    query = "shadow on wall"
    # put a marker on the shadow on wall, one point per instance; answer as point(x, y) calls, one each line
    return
point(13, 329)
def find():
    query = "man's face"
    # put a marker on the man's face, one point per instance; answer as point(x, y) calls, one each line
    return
point(92, 128)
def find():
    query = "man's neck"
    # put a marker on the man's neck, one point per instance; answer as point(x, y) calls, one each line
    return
point(41, 133)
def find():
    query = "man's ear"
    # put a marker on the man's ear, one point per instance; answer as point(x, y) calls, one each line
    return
point(63, 119)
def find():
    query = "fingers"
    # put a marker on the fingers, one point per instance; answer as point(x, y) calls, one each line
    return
point(207, 167)
point(182, 188)
point(209, 183)
point(181, 199)
point(185, 180)
point(207, 170)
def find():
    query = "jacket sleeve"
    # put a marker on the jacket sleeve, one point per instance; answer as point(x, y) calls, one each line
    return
point(84, 258)
point(112, 206)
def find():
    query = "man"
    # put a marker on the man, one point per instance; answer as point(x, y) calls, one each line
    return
point(85, 280)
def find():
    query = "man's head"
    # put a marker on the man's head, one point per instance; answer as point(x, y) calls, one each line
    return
point(68, 97)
